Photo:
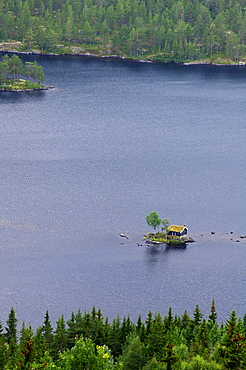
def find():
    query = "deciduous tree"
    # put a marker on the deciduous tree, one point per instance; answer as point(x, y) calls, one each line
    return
point(153, 220)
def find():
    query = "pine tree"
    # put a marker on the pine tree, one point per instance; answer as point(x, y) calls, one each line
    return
point(15, 66)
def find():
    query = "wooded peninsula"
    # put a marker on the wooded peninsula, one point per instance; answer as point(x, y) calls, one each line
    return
point(166, 30)
point(89, 341)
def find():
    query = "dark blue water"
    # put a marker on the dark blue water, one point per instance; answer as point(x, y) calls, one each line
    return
point(89, 159)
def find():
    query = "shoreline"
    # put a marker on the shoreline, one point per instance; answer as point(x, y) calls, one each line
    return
point(44, 88)
point(209, 61)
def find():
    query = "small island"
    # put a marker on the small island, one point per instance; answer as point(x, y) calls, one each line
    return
point(12, 68)
point(173, 235)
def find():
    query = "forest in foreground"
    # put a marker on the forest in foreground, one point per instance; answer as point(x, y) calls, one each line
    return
point(89, 341)
point(166, 30)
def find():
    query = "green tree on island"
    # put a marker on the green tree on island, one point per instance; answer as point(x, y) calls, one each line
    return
point(161, 236)
point(15, 67)
point(153, 220)
point(35, 71)
point(12, 67)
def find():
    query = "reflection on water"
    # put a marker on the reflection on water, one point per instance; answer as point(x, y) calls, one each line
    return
point(20, 97)
point(155, 253)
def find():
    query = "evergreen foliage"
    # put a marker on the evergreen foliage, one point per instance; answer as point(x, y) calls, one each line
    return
point(88, 341)
point(176, 30)
point(12, 67)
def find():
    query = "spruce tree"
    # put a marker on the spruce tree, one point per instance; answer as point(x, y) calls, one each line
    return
point(156, 339)
point(48, 331)
point(233, 346)
point(11, 331)
point(197, 316)
point(115, 337)
point(26, 350)
point(3, 348)
point(60, 337)
point(11, 338)
point(134, 354)
point(149, 322)
point(71, 334)
point(213, 315)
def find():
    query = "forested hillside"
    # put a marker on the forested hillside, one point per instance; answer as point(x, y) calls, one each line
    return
point(90, 342)
point(176, 30)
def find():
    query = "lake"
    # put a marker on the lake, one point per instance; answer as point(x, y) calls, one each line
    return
point(89, 159)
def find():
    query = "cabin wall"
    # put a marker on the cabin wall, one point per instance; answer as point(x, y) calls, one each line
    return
point(177, 233)
point(174, 233)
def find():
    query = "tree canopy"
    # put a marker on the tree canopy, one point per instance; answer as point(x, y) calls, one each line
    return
point(89, 341)
point(153, 220)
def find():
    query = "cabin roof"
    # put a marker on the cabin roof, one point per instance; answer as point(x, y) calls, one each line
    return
point(177, 228)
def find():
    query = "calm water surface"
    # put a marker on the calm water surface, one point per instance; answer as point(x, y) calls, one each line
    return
point(89, 159)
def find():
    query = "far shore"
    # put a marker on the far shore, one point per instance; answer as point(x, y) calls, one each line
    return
point(14, 47)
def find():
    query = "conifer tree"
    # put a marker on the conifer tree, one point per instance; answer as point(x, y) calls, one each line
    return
point(213, 315)
point(15, 66)
point(26, 347)
point(187, 327)
point(134, 354)
point(126, 328)
point(197, 316)
point(156, 339)
point(98, 328)
point(140, 329)
point(115, 337)
point(11, 337)
point(11, 331)
point(71, 334)
point(202, 342)
point(170, 357)
point(40, 342)
point(60, 338)
point(149, 322)
point(3, 348)
point(233, 346)
point(48, 331)
point(168, 320)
